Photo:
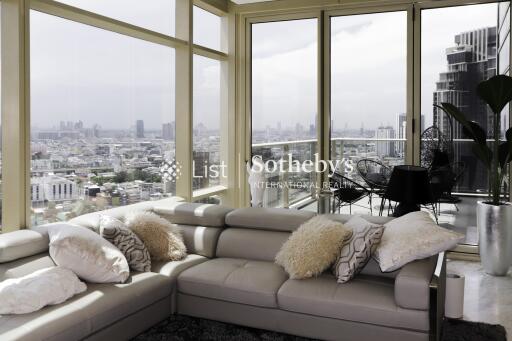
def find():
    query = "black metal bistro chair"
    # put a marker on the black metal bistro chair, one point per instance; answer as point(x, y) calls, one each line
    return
point(376, 175)
point(346, 192)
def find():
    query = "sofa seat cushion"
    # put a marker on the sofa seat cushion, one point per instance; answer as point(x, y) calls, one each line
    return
point(234, 280)
point(174, 268)
point(365, 299)
point(98, 307)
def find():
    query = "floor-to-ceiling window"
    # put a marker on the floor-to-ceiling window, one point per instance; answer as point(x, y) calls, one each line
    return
point(384, 69)
point(368, 93)
point(99, 92)
point(285, 106)
point(460, 47)
point(102, 119)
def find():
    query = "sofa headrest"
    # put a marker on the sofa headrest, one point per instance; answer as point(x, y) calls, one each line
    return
point(92, 220)
point(186, 213)
point(275, 219)
point(343, 218)
point(22, 243)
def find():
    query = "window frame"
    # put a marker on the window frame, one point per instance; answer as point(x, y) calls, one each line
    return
point(289, 9)
point(15, 57)
point(264, 12)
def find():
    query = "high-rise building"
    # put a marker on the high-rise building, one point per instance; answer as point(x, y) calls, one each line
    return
point(139, 129)
point(385, 148)
point(312, 130)
point(168, 131)
point(471, 61)
point(401, 132)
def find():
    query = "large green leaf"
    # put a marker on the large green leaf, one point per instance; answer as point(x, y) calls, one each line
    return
point(459, 116)
point(476, 132)
point(484, 153)
point(496, 92)
point(508, 135)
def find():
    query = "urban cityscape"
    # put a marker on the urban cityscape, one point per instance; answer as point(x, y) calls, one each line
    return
point(78, 169)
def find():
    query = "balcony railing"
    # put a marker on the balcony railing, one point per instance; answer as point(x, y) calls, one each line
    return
point(389, 151)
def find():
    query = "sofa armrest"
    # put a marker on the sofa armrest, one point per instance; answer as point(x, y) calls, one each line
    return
point(20, 244)
point(437, 298)
point(412, 284)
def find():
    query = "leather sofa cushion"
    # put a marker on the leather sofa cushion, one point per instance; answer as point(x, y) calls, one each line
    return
point(276, 219)
point(194, 213)
point(372, 268)
point(250, 244)
point(100, 306)
point(22, 243)
point(234, 280)
point(200, 240)
point(173, 268)
point(25, 266)
point(364, 299)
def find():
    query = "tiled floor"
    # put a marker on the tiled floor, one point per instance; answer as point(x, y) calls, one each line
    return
point(486, 298)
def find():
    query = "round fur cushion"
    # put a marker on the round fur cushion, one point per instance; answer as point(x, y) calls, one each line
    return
point(162, 240)
point(313, 247)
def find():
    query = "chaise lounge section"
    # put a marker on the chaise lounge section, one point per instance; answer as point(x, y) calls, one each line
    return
point(230, 276)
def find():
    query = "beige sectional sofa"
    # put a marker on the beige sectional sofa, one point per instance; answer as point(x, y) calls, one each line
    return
point(229, 275)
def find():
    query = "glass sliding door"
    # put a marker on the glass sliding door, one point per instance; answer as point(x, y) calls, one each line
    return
point(284, 105)
point(368, 94)
point(460, 47)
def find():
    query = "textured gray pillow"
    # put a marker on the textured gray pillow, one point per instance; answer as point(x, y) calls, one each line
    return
point(136, 253)
point(358, 250)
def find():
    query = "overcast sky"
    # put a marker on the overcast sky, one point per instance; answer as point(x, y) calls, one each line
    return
point(84, 73)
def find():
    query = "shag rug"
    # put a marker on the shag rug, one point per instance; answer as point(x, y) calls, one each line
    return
point(183, 328)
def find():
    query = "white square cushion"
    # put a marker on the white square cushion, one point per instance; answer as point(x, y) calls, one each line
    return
point(411, 237)
point(87, 254)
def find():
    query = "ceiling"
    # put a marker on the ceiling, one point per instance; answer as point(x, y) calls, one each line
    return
point(240, 2)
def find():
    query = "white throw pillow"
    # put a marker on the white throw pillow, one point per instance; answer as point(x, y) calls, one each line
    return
point(312, 248)
point(88, 255)
point(44, 287)
point(411, 237)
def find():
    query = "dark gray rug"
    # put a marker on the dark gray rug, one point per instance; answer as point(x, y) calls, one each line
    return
point(183, 328)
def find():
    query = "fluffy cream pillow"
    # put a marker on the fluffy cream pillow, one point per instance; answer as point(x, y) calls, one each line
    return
point(44, 287)
point(410, 237)
point(312, 248)
point(88, 255)
point(164, 243)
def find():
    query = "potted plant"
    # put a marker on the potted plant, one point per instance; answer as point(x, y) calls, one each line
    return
point(494, 216)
